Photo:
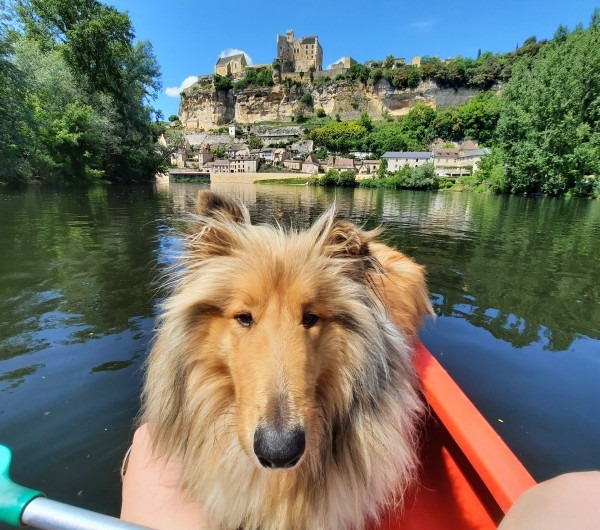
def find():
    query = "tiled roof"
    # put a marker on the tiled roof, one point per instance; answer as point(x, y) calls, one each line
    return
point(407, 154)
point(447, 152)
point(226, 60)
point(476, 152)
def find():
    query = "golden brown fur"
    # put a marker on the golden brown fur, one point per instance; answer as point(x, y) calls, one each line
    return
point(273, 329)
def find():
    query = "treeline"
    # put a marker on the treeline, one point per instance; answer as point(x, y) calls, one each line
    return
point(487, 70)
point(543, 129)
point(548, 134)
point(75, 93)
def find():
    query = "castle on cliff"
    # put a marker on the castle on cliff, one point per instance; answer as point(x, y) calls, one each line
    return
point(299, 55)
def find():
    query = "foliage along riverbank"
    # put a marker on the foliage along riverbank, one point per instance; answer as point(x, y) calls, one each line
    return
point(76, 92)
point(543, 128)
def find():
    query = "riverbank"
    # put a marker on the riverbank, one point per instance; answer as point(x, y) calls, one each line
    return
point(251, 178)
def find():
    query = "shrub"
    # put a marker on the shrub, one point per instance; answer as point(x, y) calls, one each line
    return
point(307, 99)
point(320, 112)
point(222, 83)
point(335, 178)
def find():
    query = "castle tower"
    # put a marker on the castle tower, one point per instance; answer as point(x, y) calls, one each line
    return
point(299, 55)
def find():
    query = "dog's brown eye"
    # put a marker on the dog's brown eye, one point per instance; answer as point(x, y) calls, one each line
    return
point(245, 319)
point(309, 320)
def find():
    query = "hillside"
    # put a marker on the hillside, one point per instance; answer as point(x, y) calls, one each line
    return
point(203, 107)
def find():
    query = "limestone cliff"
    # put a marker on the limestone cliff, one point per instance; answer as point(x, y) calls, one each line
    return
point(202, 108)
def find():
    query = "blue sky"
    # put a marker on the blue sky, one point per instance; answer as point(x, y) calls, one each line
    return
point(189, 36)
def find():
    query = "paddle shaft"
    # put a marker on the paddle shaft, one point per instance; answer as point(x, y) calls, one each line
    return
point(47, 514)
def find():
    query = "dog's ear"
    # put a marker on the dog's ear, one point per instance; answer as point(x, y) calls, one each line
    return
point(215, 230)
point(212, 205)
point(344, 241)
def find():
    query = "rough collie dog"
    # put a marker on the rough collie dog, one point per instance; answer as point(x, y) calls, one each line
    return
point(281, 375)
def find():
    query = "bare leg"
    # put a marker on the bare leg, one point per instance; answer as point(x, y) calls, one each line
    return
point(567, 502)
point(150, 493)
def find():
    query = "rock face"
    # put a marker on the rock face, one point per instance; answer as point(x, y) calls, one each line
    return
point(203, 108)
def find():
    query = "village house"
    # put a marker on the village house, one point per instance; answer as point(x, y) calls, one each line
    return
point(473, 157)
point(267, 155)
point(396, 160)
point(463, 160)
point(233, 65)
point(446, 163)
point(279, 155)
point(204, 156)
point(243, 164)
point(295, 165)
point(339, 163)
point(299, 55)
point(237, 150)
point(178, 157)
point(366, 167)
point(310, 165)
point(220, 165)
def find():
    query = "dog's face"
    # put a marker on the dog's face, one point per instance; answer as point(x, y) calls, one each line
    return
point(273, 332)
point(274, 313)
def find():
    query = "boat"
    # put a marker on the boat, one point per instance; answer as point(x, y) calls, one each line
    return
point(469, 477)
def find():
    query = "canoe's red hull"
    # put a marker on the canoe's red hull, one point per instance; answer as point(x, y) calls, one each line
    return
point(469, 477)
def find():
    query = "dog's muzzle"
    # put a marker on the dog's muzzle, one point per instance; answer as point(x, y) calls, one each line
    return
point(279, 447)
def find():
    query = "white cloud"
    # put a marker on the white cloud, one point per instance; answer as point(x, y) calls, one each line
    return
point(234, 51)
point(334, 62)
point(174, 91)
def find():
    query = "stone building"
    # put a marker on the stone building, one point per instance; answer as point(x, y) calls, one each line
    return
point(344, 64)
point(233, 65)
point(397, 160)
point(299, 55)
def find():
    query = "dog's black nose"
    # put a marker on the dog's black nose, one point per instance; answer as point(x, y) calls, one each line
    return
point(279, 447)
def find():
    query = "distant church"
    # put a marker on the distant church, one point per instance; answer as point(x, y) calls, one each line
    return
point(299, 55)
point(233, 65)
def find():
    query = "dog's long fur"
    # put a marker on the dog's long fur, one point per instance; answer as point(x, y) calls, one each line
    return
point(274, 326)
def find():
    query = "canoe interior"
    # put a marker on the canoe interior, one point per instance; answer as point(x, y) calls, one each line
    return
point(469, 478)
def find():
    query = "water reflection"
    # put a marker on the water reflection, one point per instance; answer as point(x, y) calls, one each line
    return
point(14, 378)
point(513, 281)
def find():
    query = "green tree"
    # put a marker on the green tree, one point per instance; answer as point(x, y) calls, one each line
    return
point(307, 99)
point(114, 80)
point(254, 142)
point(255, 77)
point(339, 136)
point(479, 118)
point(383, 168)
point(390, 136)
point(548, 129)
point(365, 121)
point(16, 119)
point(222, 82)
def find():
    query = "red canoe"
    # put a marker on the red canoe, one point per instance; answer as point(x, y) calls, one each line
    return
point(469, 476)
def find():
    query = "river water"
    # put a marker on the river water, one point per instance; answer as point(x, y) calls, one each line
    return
point(515, 283)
